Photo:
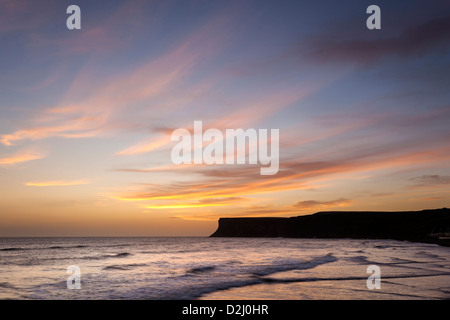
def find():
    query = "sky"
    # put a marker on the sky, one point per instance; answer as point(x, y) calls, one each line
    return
point(86, 116)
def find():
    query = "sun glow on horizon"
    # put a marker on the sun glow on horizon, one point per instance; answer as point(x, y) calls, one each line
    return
point(86, 115)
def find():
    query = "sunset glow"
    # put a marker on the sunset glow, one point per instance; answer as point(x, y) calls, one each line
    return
point(86, 116)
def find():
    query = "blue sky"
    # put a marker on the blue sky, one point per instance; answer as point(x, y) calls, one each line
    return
point(86, 115)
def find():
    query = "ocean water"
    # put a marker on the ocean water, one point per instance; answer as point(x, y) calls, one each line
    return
point(221, 268)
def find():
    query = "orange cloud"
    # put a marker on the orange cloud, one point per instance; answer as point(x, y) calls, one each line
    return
point(236, 181)
point(80, 127)
point(19, 158)
point(249, 211)
point(105, 107)
point(218, 189)
point(314, 204)
point(184, 206)
point(144, 147)
point(208, 202)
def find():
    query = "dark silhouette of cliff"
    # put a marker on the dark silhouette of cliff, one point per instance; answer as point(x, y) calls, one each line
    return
point(425, 226)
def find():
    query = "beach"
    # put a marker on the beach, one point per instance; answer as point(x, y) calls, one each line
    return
point(179, 268)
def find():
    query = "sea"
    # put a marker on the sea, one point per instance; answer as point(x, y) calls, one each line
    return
point(178, 268)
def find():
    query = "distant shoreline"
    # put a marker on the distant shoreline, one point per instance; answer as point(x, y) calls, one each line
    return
point(426, 226)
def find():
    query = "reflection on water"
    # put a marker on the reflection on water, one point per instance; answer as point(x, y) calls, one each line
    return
point(221, 268)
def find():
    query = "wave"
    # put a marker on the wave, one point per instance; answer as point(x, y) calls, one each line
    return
point(6, 285)
point(383, 246)
point(115, 268)
point(119, 255)
point(66, 247)
point(124, 266)
point(169, 251)
point(313, 279)
point(287, 265)
point(201, 280)
point(201, 269)
point(203, 283)
point(39, 260)
point(115, 245)
point(45, 248)
point(107, 256)
point(430, 255)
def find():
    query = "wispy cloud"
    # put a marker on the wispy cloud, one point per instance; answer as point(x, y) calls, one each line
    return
point(414, 41)
point(208, 202)
point(430, 180)
point(242, 181)
point(144, 147)
point(90, 109)
point(247, 211)
point(337, 123)
point(58, 126)
point(20, 157)
point(314, 204)
point(184, 206)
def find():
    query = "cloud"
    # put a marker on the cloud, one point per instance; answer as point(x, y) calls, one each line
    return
point(217, 188)
point(144, 147)
point(58, 183)
point(58, 126)
point(298, 172)
point(104, 107)
point(183, 205)
point(430, 180)
point(93, 108)
point(268, 210)
point(250, 111)
point(314, 204)
point(414, 41)
point(209, 202)
point(19, 158)
point(223, 200)
point(242, 181)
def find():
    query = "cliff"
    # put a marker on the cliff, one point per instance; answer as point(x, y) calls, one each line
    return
point(426, 226)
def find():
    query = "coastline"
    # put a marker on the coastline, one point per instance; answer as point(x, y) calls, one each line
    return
point(424, 226)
